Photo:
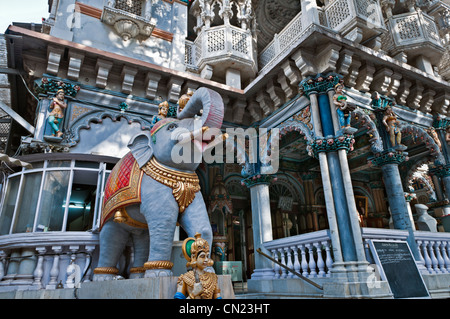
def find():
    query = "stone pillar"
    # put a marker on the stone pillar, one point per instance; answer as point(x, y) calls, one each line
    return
point(261, 224)
point(388, 161)
point(330, 147)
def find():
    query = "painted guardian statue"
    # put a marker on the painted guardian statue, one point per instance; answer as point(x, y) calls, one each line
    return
point(148, 191)
point(197, 283)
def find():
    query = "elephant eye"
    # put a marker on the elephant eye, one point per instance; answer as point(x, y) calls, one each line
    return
point(172, 126)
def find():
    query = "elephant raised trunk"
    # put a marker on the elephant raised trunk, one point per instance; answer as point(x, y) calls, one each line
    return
point(206, 102)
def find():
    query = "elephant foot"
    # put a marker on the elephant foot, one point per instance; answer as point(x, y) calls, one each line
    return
point(105, 273)
point(160, 268)
point(137, 272)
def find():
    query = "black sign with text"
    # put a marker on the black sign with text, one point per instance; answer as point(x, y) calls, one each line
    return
point(399, 269)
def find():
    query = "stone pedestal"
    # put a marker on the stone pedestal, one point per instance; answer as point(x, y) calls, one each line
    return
point(143, 288)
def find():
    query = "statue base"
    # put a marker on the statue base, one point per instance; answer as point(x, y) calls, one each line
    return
point(142, 288)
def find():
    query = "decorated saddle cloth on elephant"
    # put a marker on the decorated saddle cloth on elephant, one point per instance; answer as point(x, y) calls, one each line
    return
point(123, 187)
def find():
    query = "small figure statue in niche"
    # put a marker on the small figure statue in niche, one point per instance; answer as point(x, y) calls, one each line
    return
point(57, 114)
point(197, 283)
point(432, 132)
point(343, 108)
point(392, 127)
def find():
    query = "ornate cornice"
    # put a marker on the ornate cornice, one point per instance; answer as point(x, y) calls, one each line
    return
point(388, 157)
point(440, 170)
point(51, 86)
point(331, 144)
point(319, 83)
point(258, 179)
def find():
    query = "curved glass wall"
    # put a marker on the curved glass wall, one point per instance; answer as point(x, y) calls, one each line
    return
point(55, 195)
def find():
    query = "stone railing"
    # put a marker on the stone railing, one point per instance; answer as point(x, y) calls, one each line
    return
point(300, 252)
point(281, 41)
point(339, 15)
point(46, 260)
point(308, 254)
point(189, 58)
point(412, 28)
point(215, 42)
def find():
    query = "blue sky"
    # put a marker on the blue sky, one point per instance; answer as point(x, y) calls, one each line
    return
point(22, 11)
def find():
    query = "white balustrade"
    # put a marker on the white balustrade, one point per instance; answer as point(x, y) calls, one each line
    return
point(311, 254)
point(54, 251)
point(413, 28)
point(303, 253)
point(281, 41)
point(214, 42)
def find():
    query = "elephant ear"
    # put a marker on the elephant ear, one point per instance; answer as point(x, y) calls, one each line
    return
point(141, 148)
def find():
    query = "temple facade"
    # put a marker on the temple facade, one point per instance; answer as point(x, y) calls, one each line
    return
point(354, 93)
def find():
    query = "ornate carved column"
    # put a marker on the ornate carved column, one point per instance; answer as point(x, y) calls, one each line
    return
point(330, 146)
point(388, 160)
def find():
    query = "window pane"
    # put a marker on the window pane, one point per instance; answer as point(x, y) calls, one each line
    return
point(9, 204)
point(36, 165)
point(58, 164)
point(26, 208)
point(53, 200)
point(87, 164)
point(81, 207)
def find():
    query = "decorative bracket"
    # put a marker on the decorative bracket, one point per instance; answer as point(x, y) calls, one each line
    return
point(126, 24)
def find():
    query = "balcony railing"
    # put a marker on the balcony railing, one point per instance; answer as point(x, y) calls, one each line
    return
point(413, 28)
point(47, 260)
point(281, 41)
point(338, 15)
point(215, 42)
point(311, 254)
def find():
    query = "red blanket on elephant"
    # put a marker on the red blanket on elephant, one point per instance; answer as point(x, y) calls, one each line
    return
point(123, 187)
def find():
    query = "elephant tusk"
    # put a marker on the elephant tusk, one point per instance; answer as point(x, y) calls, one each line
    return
point(217, 140)
point(184, 137)
point(189, 136)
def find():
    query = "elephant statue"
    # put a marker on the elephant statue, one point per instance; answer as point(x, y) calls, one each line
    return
point(150, 190)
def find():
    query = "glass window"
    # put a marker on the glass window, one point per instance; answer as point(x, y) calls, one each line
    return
point(26, 207)
point(87, 164)
point(81, 207)
point(58, 164)
point(9, 204)
point(36, 165)
point(53, 201)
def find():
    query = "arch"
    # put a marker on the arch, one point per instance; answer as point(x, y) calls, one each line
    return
point(84, 122)
point(412, 175)
point(364, 119)
point(285, 180)
point(426, 138)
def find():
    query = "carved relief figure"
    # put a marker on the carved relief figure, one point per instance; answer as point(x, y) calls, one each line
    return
point(57, 114)
point(392, 126)
point(197, 283)
point(343, 109)
point(435, 136)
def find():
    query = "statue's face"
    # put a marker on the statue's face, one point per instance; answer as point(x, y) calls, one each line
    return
point(163, 111)
point(60, 95)
point(202, 260)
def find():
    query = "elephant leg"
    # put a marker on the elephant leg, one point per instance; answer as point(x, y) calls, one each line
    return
point(141, 245)
point(161, 212)
point(195, 219)
point(113, 238)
